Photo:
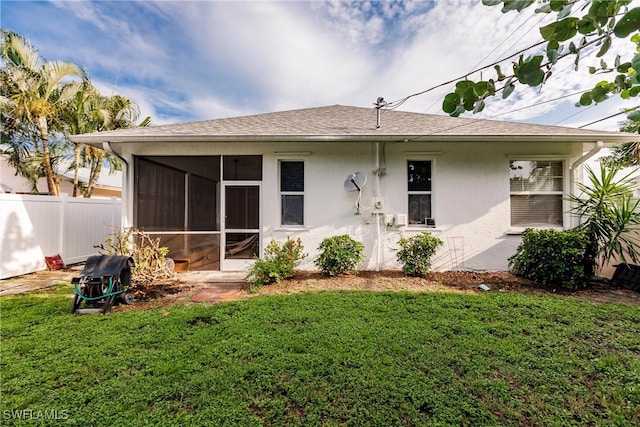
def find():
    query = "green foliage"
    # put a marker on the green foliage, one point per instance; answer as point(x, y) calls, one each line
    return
point(339, 254)
point(567, 37)
point(628, 154)
point(279, 262)
point(42, 102)
point(87, 112)
point(416, 253)
point(329, 358)
point(552, 258)
point(528, 71)
point(33, 89)
point(149, 257)
point(611, 217)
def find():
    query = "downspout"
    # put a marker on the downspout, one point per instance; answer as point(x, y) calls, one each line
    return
point(597, 146)
point(106, 146)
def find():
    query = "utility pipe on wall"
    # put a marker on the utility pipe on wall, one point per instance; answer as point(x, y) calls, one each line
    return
point(378, 171)
point(378, 211)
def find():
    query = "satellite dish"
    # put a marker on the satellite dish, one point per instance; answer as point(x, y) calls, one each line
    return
point(355, 181)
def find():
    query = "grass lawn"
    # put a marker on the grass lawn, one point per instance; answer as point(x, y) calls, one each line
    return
point(332, 358)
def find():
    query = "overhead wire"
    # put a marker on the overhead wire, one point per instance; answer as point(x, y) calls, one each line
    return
point(540, 103)
point(588, 51)
point(580, 111)
point(609, 117)
point(395, 104)
point(499, 44)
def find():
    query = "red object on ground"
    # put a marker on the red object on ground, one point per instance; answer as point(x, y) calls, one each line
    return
point(54, 262)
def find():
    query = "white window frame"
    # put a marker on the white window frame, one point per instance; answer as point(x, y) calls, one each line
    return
point(292, 193)
point(561, 193)
point(430, 192)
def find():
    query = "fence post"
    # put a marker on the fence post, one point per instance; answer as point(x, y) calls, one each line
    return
point(61, 226)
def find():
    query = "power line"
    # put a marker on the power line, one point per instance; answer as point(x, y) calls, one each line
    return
point(395, 104)
point(588, 49)
point(609, 117)
point(580, 111)
point(497, 46)
point(539, 103)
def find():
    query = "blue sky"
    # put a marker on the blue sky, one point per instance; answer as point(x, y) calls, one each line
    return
point(195, 60)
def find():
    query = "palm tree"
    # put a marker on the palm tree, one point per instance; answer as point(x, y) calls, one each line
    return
point(118, 112)
point(90, 111)
point(34, 90)
point(627, 154)
point(23, 160)
point(80, 116)
point(611, 216)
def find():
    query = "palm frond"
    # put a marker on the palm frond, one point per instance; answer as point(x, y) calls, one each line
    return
point(55, 72)
point(19, 51)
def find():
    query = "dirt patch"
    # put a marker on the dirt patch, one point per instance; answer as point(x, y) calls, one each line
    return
point(156, 291)
point(450, 281)
point(396, 281)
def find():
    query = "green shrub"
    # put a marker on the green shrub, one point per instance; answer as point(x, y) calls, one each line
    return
point(552, 258)
point(416, 253)
point(278, 263)
point(339, 254)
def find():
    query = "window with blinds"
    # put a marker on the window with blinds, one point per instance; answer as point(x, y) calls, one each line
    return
point(536, 193)
point(291, 193)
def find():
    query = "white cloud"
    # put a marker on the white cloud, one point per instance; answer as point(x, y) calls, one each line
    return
point(196, 60)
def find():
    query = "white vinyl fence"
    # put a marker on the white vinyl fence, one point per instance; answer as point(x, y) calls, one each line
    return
point(33, 227)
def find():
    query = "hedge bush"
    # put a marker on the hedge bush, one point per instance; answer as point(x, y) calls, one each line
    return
point(417, 252)
point(278, 263)
point(552, 258)
point(339, 254)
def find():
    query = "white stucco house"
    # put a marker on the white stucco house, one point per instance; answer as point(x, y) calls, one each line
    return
point(218, 191)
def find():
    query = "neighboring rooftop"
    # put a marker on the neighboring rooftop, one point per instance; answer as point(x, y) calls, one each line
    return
point(340, 123)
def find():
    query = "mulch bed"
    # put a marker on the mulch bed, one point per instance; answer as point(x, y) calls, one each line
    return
point(167, 294)
point(451, 281)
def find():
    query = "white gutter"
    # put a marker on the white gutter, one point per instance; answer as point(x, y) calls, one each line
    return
point(96, 139)
point(597, 146)
point(106, 146)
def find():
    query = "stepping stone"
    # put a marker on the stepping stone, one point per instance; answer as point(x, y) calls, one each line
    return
point(215, 295)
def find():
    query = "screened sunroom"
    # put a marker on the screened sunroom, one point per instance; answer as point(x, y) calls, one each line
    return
point(205, 209)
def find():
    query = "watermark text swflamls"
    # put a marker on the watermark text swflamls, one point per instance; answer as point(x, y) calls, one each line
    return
point(35, 414)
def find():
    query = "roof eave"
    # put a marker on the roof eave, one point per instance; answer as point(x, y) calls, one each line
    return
point(608, 139)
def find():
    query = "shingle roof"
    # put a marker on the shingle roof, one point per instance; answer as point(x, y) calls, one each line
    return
point(344, 123)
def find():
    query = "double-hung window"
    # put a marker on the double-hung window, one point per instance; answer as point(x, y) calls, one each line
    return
point(419, 191)
point(291, 192)
point(536, 193)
